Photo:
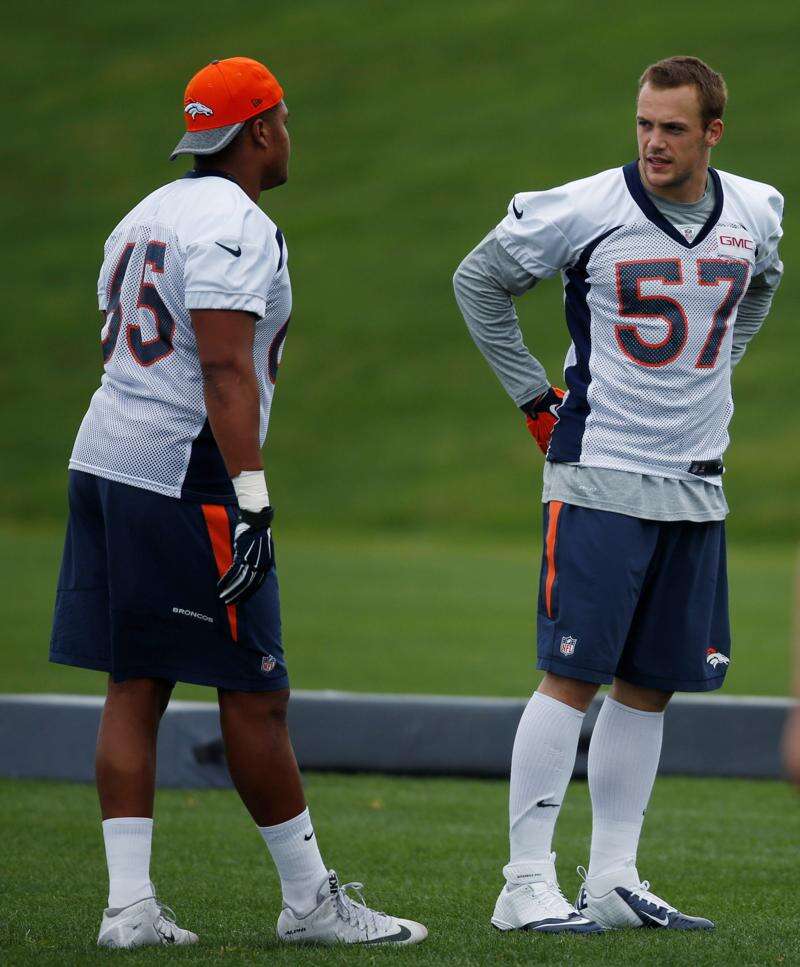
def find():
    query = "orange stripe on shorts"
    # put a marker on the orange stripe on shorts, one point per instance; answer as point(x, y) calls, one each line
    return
point(554, 511)
point(219, 530)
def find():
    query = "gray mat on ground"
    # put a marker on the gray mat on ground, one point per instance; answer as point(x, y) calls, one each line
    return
point(52, 736)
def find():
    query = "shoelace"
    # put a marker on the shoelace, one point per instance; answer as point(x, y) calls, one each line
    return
point(358, 913)
point(643, 892)
point(166, 916)
point(551, 898)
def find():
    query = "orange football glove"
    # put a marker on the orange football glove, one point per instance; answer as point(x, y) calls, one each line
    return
point(541, 416)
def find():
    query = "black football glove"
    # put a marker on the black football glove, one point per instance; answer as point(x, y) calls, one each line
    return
point(253, 556)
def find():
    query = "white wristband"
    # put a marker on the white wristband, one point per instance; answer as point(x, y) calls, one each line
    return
point(251, 490)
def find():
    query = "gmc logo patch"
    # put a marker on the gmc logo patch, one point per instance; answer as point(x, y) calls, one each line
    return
point(734, 242)
point(745, 243)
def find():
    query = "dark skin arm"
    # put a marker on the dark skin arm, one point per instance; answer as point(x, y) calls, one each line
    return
point(225, 346)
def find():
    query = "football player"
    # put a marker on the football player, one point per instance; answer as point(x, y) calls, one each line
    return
point(169, 567)
point(669, 268)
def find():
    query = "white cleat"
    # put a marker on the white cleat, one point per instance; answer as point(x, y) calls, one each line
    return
point(619, 899)
point(532, 900)
point(340, 919)
point(144, 924)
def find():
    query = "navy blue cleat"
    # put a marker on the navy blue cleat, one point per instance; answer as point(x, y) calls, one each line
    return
point(618, 899)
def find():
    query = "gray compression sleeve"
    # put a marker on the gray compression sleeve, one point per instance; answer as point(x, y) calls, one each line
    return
point(753, 308)
point(484, 284)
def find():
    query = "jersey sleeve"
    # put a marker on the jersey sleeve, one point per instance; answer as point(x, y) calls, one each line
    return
point(232, 270)
point(102, 278)
point(102, 299)
point(539, 231)
point(767, 256)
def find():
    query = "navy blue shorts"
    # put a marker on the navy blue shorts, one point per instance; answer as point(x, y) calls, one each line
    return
point(640, 600)
point(137, 594)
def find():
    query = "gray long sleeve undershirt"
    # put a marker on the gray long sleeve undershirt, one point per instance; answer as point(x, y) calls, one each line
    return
point(485, 283)
point(754, 308)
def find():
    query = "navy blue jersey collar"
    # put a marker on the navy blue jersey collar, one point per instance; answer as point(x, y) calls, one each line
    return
point(636, 188)
point(210, 173)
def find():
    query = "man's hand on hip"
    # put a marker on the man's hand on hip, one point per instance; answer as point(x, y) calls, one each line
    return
point(541, 415)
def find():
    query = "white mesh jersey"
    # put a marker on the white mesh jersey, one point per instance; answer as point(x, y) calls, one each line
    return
point(197, 243)
point(650, 310)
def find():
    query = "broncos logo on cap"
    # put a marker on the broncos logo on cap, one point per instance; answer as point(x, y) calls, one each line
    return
point(195, 107)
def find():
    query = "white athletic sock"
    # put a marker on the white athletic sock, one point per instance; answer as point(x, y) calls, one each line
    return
point(128, 842)
point(293, 847)
point(623, 761)
point(541, 767)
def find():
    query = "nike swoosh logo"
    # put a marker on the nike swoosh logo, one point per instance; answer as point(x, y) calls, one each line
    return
point(310, 836)
point(402, 934)
point(661, 923)
point(542, 803)
point(513, 206)
point(235, 252)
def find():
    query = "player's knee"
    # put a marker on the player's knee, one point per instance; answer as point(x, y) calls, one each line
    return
point(571, 691)
point(268, 708)
point(639, 697)
point(151, 692)
point(277, 706)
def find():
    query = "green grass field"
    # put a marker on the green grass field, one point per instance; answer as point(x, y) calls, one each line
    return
point(430, 849)
point(413, 124)
point(397, 614)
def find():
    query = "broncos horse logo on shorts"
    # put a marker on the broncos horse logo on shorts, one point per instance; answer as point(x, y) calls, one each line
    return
point(714, 658)
point(196, 107)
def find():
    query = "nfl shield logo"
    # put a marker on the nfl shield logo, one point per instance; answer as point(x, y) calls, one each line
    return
point(568, 645)
point(268, 663)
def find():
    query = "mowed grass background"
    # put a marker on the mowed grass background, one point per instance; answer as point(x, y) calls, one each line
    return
point(407, 488)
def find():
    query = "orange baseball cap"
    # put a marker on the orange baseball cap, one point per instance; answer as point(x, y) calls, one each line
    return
point(220, 98)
